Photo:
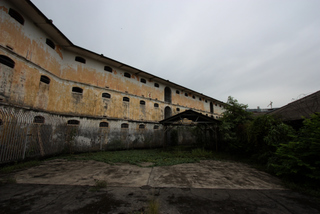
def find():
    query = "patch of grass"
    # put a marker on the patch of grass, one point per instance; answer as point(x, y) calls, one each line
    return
point(153, 206)
point(158, 157)
point(8, 180)
point(19, 166)
point(99, 184)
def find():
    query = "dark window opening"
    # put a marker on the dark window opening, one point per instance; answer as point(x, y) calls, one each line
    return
point(14, 14)
point(141, 126)
point(7, 61)
point(206, 101)
point(45, 79)
point(1, 122)
point(143, 80)
point(193, 97)
point(156, 105)
point(186, 94)
point(107, 68)
point(103, 125)
point(126, 99)
point(77, 90)
point(178, 109)
point(167, 95)
point(142, 102)
point(106, 95)
point(73, 122)
point(177, 92)
point(124, 125)
point(200, 98)
point(211, 107)
point(156, 85)
point(156, 127)
point(38, 119)
point(50, 43)
point(127, 75)
point(167, 112)
point(216, 104)
point(80, 59)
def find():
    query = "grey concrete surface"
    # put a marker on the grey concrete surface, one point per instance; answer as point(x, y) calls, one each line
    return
point(60, 186)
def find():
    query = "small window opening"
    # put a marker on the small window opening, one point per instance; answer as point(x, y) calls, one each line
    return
point(216, 104)
point(14, 14)
point(103, 125)
point(7, 61)
point(142, 102)
point(38, 119)
point(126, 99)
point(124, 125)
point(77, 90)
point(143, 80)
point(155, 127)
point(107, 68)
point(178, 109)
point(200, 98)
point(156, 85)
point(45, 79)
point(106, 95)
point(186, 94)
point(1, 122)
point(50, 43)
point(127, 75)
point(156, 105)
point(142, 126)
point(206, 101)
point(193, 97)
point(80, 59)
point(177, 92)
point(73, 122)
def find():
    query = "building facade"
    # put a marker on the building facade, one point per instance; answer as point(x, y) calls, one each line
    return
point(43, 72)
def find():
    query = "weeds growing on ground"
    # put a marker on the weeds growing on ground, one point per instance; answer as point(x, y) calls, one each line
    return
point(153, 206)
point(18, 166)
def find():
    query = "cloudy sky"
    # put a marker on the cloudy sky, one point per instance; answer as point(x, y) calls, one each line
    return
point(256, 51)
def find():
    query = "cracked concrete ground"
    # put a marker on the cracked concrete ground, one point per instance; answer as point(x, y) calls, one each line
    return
point(60, 186)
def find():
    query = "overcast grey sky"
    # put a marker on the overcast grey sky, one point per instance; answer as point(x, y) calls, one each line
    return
point(256, 51)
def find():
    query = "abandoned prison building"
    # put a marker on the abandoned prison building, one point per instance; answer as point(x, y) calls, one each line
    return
point(56, 96)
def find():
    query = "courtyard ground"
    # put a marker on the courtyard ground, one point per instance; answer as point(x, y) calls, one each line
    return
point(210, 186)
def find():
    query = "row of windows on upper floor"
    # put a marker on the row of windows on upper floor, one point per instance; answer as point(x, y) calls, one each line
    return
point(10, 63)
point(41, 120)
point(14, 14)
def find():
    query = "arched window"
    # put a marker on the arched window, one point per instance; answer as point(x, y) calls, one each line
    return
point(156, 85)
point(167, 112)
point(106, 95)
point(14, 14)
point(142, 126)
point(38, 119)
point(177, 92)
point(127, 75)
point(103, 125)
point(73, 122)
point(124, 125)
point(45, 79)
point(211, 107)
point(77, 90)
point(80, 59)
point(107, 68)
point(178, 109)
point(50, 43)
point(155, 127)
point(143, 80)
point(126, 99)
point(156, 105)
point(167, 94)
point(186, 94)
point(142, 102)
point(7, 61)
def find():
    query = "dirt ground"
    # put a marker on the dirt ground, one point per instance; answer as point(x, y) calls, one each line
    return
point(61, 186)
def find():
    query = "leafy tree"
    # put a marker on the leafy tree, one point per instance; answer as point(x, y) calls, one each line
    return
point(300, 158)
point(234, 122)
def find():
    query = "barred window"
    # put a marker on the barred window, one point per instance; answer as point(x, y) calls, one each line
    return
point(38, 119)
point(142, 126)
point(106, 95)
point(124, 125)
point(73, 122)
point(155, 127)
point(103, 125)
